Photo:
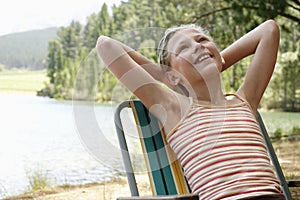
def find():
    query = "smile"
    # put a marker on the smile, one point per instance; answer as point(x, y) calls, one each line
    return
point(202, 57)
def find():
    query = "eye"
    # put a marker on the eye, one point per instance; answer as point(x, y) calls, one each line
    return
point(181, 48)
point(202, 39)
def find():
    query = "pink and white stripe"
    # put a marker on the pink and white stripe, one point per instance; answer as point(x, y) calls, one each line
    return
point(223, 154)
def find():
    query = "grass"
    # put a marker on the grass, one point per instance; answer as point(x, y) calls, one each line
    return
point(38, 180)
point(22, 81)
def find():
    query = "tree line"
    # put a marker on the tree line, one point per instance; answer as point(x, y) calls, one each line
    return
point(75, 71)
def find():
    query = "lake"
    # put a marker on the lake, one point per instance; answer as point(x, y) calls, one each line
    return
point(69, 142)
point(40, 135)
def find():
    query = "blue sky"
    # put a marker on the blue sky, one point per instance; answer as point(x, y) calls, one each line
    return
point(20, 15)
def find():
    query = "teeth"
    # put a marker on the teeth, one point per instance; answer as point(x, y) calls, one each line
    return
point(203, 58)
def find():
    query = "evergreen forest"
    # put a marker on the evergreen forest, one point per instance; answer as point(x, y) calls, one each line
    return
point(76, 72)
point(25, 50)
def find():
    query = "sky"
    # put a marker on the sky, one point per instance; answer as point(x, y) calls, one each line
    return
point(24, 15)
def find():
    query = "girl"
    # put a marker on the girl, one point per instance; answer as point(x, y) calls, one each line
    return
point(215, 136)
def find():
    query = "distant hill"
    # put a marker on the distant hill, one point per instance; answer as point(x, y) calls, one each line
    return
point(26, 49)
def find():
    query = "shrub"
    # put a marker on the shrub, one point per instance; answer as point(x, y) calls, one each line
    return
point(295, 130)
point(277, 134)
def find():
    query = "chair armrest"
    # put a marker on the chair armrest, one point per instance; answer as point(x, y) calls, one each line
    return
point(168, 197)
point(293, 183)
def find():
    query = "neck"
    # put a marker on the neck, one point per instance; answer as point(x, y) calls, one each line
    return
point(210, 90)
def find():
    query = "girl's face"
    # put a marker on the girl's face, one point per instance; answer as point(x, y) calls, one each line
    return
point(193, 55)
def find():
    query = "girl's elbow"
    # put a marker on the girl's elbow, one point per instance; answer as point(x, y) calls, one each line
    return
point(273, 29)
point(101, 39)
point(104, 44)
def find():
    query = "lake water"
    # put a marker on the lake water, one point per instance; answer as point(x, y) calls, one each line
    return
point(40, 135)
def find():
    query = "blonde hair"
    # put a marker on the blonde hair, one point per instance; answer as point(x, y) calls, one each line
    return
point(162, 52)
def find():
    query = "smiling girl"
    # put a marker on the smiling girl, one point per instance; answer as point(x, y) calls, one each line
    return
point(214, 135)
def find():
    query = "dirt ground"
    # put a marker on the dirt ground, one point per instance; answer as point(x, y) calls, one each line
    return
point(288, 153)
point(98, 191)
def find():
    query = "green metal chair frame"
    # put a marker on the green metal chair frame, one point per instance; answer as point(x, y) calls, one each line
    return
point(164, 183)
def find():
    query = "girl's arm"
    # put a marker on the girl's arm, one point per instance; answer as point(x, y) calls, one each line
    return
point(152, 68)
point(135, 71)
point(262, 42)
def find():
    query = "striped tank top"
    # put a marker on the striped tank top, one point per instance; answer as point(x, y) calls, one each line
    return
point(222, 152)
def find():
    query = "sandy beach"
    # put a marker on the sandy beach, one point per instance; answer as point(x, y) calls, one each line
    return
point(118, 187)
point(97, 191)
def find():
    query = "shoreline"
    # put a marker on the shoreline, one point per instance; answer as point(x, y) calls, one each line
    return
point(109, 190)
point(118, 186)
point(106, 190)
point(34, 94)
point(18, 92)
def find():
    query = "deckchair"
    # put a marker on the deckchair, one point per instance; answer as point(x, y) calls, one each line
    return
point(165, 174)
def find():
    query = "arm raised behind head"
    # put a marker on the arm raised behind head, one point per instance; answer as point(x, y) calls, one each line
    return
point(110, 50)
point(262, 42)
point(135, 71)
